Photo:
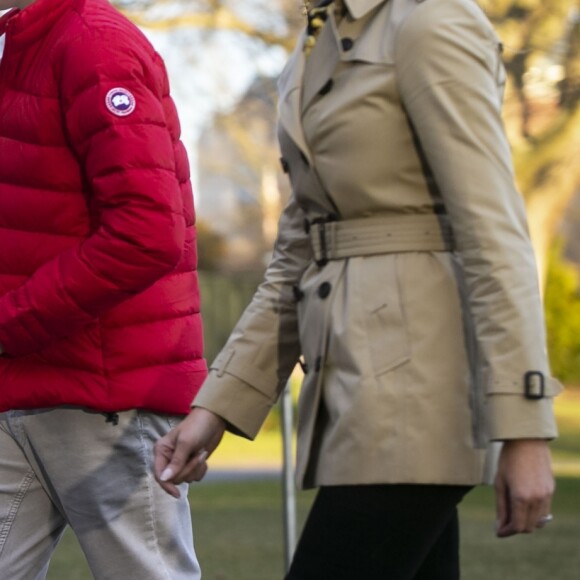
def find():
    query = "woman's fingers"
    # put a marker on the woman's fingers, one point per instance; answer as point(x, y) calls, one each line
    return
point(524, 487)
point(162, 456)
point(193, 470)
point(180, 456)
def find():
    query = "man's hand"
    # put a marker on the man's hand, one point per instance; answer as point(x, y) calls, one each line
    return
point(524, 487)
point(181, 455)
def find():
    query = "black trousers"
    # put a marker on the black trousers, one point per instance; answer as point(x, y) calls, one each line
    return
point(381, 532)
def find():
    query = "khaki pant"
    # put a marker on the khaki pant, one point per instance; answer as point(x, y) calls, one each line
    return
point(69, 466)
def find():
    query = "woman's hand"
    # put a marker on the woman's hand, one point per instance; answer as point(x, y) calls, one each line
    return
point(181, 455)
point(524, 487)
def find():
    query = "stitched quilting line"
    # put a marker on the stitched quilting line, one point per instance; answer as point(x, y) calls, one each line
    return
point(17, 501)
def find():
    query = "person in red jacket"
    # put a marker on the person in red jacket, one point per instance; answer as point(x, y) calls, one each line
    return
point(100, 330)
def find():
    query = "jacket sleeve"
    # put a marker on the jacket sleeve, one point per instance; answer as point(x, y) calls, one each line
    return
point(450, 73)
point(248, 375)
point(133, 196)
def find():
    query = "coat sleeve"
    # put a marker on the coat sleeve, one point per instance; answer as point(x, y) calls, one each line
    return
point(449, 70)
point(133, 196)
point(248, 375)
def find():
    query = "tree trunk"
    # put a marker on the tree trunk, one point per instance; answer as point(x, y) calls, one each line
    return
point(549, 175)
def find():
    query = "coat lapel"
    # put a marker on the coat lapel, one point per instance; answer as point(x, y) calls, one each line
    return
point(322, 61)
point(328, 52)
point(290, 96)
point(301, 80)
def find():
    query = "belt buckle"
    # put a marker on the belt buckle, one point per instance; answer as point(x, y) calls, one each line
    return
point(320, 224)
point(534, 385)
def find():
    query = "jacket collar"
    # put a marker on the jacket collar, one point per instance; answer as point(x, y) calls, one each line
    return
point(29, 25)
point(7, 18)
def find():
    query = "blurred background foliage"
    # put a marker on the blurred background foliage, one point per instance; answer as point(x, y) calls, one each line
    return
point(563, 317)
point(235, 158)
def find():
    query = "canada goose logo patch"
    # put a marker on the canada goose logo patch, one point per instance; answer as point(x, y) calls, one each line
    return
point(120, 102)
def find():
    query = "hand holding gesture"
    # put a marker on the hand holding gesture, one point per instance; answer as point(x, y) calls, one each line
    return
point(181, 454)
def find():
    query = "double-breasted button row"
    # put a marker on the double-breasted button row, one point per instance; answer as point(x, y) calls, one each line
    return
point(323, 291)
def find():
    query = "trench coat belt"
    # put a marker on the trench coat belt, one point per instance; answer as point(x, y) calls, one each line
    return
point(336, 240)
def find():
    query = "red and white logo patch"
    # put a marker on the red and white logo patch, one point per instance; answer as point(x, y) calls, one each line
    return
point(120, 102)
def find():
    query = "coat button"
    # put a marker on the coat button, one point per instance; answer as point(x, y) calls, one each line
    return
point(324, 290)
point(285, 165)
point(298, 294)
point(326, 88)
point(318, 364)
point(347, 43)
point(303, 157)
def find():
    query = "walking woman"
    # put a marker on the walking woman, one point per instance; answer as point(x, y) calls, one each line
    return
point(404, 276)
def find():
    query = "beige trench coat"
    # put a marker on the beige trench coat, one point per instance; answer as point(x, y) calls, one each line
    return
point(415, 360)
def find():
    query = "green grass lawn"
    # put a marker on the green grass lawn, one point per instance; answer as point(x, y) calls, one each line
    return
point(239, 536)
point(238, 528)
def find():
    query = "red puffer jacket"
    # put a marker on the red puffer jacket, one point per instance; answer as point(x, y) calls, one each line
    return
point(99, 300)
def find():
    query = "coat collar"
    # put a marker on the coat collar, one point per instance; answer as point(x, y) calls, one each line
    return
point(322, 62)
point(325, 56)
point(290, 96)
point(358, 8)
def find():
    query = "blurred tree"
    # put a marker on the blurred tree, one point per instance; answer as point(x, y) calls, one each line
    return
point(541, 40)
point(211, 247)
point(239, 152)
point(272, 21)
